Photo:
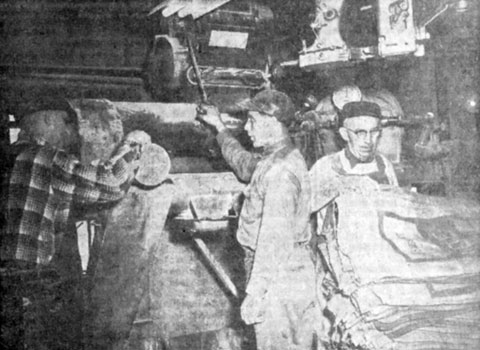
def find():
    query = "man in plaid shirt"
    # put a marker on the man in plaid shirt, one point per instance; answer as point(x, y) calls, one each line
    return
point(46, 180)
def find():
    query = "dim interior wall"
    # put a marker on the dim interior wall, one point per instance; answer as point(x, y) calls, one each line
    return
point(417, 94)
point(459, 77)
point(83, 34)
point(79, 49)
point(458, 73)
point(417, 86)
point(444, 83)
point(456, 45)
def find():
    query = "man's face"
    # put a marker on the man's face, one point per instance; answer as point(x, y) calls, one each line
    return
point(261, 128)
point(362, 135)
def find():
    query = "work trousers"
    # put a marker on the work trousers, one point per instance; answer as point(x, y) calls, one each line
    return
point(292, 313)
point(42, 307)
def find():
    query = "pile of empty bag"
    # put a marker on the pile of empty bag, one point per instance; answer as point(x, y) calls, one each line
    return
point(408, 265)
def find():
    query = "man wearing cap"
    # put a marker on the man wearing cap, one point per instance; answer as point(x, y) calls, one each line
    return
point(273, 224)
point(361, 130)
point(356, 167)
point(45, 180)
point(329, 106)
point(325, 117)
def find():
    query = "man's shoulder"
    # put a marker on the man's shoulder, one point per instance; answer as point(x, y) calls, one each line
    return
point(290, 162)
point(292, 159)
point(45, 156)
point(31, 152)
point(384, 159)
point(389, 169)
point(325, 164)
point(329, 158)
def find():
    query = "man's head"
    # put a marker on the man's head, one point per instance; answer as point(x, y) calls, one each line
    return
point(270, 113)
point(361, 129)
point(346, 94)
point(52, 123)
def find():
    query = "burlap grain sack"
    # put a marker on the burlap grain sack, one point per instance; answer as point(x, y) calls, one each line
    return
point(100, 129)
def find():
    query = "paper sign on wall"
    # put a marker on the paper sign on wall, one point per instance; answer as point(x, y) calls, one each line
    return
point(221, 38)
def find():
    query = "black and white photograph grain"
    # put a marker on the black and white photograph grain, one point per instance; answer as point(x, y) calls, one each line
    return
point(239, 175)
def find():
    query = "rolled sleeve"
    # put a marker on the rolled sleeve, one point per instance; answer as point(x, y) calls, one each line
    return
point(90, 184)
point(240, 160)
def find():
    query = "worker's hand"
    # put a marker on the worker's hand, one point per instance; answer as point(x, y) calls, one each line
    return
point(136, 140)
point(345, 314)
point(124, 151)
point(253, 309)
point(210, 115)
point(131, 147)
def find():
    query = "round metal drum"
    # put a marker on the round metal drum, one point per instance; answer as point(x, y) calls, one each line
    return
point(166, 64)
point(154, 166)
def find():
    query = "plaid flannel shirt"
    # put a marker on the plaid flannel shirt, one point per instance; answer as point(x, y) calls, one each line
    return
point(43, 184)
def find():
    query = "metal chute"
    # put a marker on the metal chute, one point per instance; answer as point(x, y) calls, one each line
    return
point(184, 8)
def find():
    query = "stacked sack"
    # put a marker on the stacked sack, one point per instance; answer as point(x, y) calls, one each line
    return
point(409, 264)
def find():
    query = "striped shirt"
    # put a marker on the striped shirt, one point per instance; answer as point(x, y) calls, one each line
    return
point(44, 182)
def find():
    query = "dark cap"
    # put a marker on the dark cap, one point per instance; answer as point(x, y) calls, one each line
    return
point(273, 103)
point(360, 109)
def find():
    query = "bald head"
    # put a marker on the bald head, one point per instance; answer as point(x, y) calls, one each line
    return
point(346, 94)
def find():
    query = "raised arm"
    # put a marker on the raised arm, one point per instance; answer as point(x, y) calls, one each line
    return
point(103, 183)
point(238, 158)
